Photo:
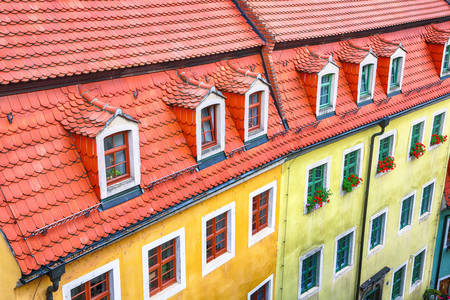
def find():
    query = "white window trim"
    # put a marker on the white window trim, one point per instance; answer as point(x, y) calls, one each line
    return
point(254, 238)
point(392, 132)
point(444, 110)
point(338, 274)
point(327, 162)
point(181, 266)
point(112, 267)
point(398, 53)
point(426, 214)
point(315, 289)
point(258, 86)
point(134, 157)
point(329, 68)
point(269, 288)
point(405, 264)
point(211, 99)
point(407, 227)
point(442, 278)
point(359, 147)
point(446, 234)
point(377, 248)
point(369, 59)
point(208, 267)
point(442, 60)
point(416, 284)
point(422, 133)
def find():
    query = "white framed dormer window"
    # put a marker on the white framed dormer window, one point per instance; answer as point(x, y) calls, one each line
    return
point(386, 147)
point(344, 253)
point(261, 217)
point(256, 110)
point(397, 66)
point(418, 267)
point(310, 273)
point(317, 178)
point(398, 282)
point(427, 199)
point(263, 291)
point(164, 266)
point(210, 126)
point(438, 125)
point(415, 136)
point(377, 231)
point(119, 163)
point(101, 283)
point(406, 213)
point(352, 162)
point(445, 69)
point(218, 237)
point(366, 82)
point(327, 82)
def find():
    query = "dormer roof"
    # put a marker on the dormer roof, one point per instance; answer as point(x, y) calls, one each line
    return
point(382, 47)
point(309, 62)
point(353, 54)
point(435, 35)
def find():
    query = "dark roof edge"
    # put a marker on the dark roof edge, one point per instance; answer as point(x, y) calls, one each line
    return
point(46, 84)
point(357, 34)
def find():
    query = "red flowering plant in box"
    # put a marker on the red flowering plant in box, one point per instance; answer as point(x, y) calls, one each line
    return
point(417, 150)
point(438, 139)
point(351, 182)
point(386, 165)
point(317, 200)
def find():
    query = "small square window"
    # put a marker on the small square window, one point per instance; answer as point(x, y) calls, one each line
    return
point(427, 197)
point(310, 272)
point(417, 271)
point(406, 211)
point(398, 283)
point(377, 229)
point(344, 252)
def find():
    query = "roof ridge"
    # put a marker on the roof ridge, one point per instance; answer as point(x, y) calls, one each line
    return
point(94, 101)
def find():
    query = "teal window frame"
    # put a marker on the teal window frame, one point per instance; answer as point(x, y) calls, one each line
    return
point(446, 60)
point(317, 178)
point(344, 247)
point(406, 211)
point(417, 271)
point(385, 147)
point(351, 163)
point(377, 231)
point(396, 72)
point(325, 91)
point(437, 123)
point(398, 282)
point(310, 271)
point(366, 76)
point(416, 134)
point(427, 196)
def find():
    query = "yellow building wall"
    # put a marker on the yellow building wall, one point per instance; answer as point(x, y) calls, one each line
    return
point(303, 233)
point(233, 280)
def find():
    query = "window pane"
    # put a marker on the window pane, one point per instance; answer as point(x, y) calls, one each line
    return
point(109, 160)
point(76, 291)
point(120, 156)
point(108, 143)
point(119, 140)
point(121, 169)
point(167, 252)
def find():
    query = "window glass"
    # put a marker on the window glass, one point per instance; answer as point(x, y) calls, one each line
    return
point(395, 72)
point(437, 124)
point(376, 237)
point(162, 266)
point(385, 147)
point(351, 163)
point(261, 294)
point(426, 198)
point(365, 79)
point(417, 267)
point(397, 283)
point(260, 207)
point(343, 251)
point(446, 62)
point(316, 178)
point(406, 212)
point(208, 126)
point(116, 157)
point(310, 272)
point(254, 111)
point(325, 91)
point(95, 289)
point(216, 236)
point(416, 133)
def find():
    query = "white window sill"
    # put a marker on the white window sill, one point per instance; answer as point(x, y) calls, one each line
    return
point(377, 175)
point(309, 293)
point(214, 264)
point(375, 250)
point(415, 285)
point(424, 217)
point(210, 151)
point(168, 292)
point(120, 186)
point(342, 272)
point(431, 147)
point(343, 193)
point(255, 134)
point(260, 235)
point(404, 229)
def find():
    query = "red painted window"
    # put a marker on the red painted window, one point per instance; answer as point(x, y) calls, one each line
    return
point(216, 236)
point(254, 111)
point(116, 157)
point(261, 293)
point(162, 266)
point(95, 289)
point(209, 127)
point(260, 211)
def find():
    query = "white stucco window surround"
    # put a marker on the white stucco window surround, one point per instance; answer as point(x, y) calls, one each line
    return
point(399, 53)
point(210, 266)
point(269, 289)
point(262, 87)
point(327, 163)
point(215, 99)
point(392, 133)
point(422, 130)
point(443, 125)
point(180, 284)
point(254, 238)
point(317, 288)
point(443, 72)
point(430, 205)
point(114, 280)
point(411, 213)
point(338, 274)
point(377, 248)
point(119, 124)
point(359, 166)
point(329, 69)
point(414, 285)
point(405, 264)
point(370, 59)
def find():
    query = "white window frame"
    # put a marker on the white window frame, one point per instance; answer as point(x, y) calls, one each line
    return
point(444, 111)
point(268, 280)
point(333, 69)
point(423, 216)
point(254, 238)
point(359, 147)
point(442, 278)
point(377, 248)
point(338, 274)
point(405, 264)
point(402, 54)
point(411, 213)
point(413, 285)
point(315, 289)
point(114, 279)
point(422, 133)
point(442, 73)
point(327, 162)
point(258, 86)
point(230, 209)
point(174, 288)
point(392, 132)
point(119, 124)
point(212, 99)
point(369, 59)
point(446, 245)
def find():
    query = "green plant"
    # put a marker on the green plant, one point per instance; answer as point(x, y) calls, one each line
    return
point(317, 199)
point(350, 182)
point(417, 150)
point(386, 164)
point(438, 139)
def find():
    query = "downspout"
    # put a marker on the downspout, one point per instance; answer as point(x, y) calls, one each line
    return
point(383, 123)
point(441, 249)
point(55, 276)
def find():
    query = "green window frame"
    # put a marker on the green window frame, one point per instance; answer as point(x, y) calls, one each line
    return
point(343, 251)
point(325, 91)
point(427, 195)
point(397, 283)
point(316, 179)
point(385, 147)
point(366, 74)
point(416, 134)
point(446, 62)
point(437, 124)
point(417, 267)
point(310, 271)
point(406, 212)
point(395, 72)
point(377, 231)
point(351, 161)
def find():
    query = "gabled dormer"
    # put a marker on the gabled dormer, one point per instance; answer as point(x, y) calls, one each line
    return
point(391, 64)
point(107, 140)
point(320, 77)
point(438, 42)
point(360, 67)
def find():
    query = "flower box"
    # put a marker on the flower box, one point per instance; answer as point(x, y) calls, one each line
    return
point(386, 165)
point(317, 200)
point(417, 150)
point(351, 182)
point(437, 139)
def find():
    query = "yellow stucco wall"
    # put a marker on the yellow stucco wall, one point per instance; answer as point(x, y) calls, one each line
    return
point(9, 272)
point(304, 233)
point(233, 280)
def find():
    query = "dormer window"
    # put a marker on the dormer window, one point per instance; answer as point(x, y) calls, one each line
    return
point(366, 80)
point(254, 111)
point(326, 85)
point(325, 91)
point(116, 157)
point(395, 72)
point(446, 60)
point(209, 135)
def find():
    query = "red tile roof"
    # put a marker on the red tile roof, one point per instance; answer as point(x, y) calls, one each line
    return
point(436, 35)
point(382, 47)
point(289, 20)
point(351, 53)
point(48, 39)
point(309, 62)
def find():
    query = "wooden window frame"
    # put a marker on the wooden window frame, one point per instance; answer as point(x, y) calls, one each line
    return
point(416, 133)
point(265, 287)
point(314, 268)
point(113, 150)
point(378, 230)
point(439, 128)
point(417, 273)
point(346, 251)
point(385, 147)
point(327, 85)
point(427, 208)
point(446, 60)
point(251, 106)
point(401, 281)
point(257, 209)
point(366, 74)
point(160, 263)
point(88, 288)
point(406, 212)
point(214, 234)
point(348, 165)
point(212, 119)
point(395, 72)
point(313, 180)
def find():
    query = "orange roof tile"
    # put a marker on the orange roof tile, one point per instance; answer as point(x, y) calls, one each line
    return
point(436, 35)
point(351, 53)
point(382, 47)
point(308, 62)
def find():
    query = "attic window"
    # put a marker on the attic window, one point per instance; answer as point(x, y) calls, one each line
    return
point(325, 91)
point(395, 72)
point(116, 157)
point(327, 81)
point(209, 135)
point(254, 112)
point(366, 78)
point(446, 60)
